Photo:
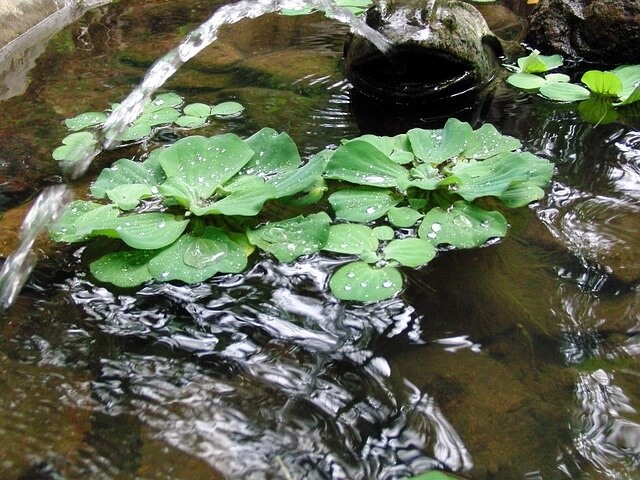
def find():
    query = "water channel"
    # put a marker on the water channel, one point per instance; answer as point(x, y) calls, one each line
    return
point(516, 360)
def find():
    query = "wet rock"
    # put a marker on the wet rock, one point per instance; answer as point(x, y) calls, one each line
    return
point(605, 31)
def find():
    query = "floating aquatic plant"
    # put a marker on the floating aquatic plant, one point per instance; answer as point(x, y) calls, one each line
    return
point(599, 94)
point(202, 205)
point(163, 111)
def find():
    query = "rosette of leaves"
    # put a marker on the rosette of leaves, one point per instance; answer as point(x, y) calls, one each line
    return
point(164, 111)
point(188, 211)
point(404, 197)
point(600, 92)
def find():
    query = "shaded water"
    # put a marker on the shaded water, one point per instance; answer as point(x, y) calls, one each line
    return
point(518, 360)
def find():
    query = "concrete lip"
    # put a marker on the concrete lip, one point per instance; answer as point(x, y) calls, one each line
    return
point(27, 25)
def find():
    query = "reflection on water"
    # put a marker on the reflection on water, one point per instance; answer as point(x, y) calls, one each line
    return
point(518, 360)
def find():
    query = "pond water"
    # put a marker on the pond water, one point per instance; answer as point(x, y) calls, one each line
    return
point(517, 360)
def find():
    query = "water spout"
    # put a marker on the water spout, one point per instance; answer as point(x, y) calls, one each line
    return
point(52, 201)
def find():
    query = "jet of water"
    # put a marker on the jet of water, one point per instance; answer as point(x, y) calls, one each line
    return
point(51, 202)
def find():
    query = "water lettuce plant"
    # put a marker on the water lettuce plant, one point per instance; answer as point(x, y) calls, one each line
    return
point(202, 205)
point(599, 94)
point(164, 110)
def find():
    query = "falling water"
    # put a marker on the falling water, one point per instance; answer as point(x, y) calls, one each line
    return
point(52, 200)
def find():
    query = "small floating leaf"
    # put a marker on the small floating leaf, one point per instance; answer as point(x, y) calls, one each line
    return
point(359, 162)
point(537, 63)
point(464, 225)
point(126, 172)
point(403, 216)
point(362, 282)
point(273, 153)
point(149, 231)
point(197, 110)
point(526, 81)
point(127, 197)
point(384, 233)
point(351, 239)
point(362, 204)
point(436, 146)
point(188, 121)
point(226, 109)
point(602, 83)
point(289, 239)
point(125, 269)
point(76, 146)
point(564, 92)
point(64, 230)
point(486, 142)
point(84, 120)
point(410, 252)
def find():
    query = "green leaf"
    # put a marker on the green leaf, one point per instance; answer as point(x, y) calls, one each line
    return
point(410, 252)
point(127, 197)
point(359, 162)
point(188, 121)
point(226, 109)
point(537, 63)
point(436, 146)
point(181, 192)
point(384, 233)
point(164, 100)
point(98, 221)
point(157, 117)
point(384, 144)
point(564, 92)
point(403, 216)
point(75, 147)
point(135, 132)
point(64, 230)
point(492, 177)
point(433, 475)
point(193, 258)
point(274, 153)
point(245, 196)
point(149, 231)
point(464, 225)
point(125, 269)
point(362, 282)
point(205, 163)
point(526, 81)
point(126, 172)
point(197, 110)
point(598, 109)
point(632, 97)
point(289, 239)
point(351, 239)
point(520, 194)
point(602, 83)
point(84, 120)
point(300, 179)
point(629, 75)
point(362, 204)
point(486, 142)
point(557, 78)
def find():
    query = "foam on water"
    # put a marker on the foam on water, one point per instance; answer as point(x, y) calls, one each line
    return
point(52, 200)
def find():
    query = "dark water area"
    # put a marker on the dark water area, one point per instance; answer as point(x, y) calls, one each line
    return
point(518, 360)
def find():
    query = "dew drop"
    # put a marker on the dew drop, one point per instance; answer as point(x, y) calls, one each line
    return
point(162, 225)
point(387, 284)
point(364, 284)
point(351, 275)
point(371, 210)
point(347, 287)
point(154, 190)
point(164, 274)
point(462, 221)
point(436, 227)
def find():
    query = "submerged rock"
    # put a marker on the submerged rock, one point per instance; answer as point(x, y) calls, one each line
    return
point(593, 30)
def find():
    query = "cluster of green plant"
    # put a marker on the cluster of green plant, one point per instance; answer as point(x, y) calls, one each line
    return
point(202, 205)
point(164, 110)
point(599, 95)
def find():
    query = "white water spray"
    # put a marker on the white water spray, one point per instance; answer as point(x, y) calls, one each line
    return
point(52, 200)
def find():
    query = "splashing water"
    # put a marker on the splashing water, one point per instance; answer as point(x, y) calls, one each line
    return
point(51, 202)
